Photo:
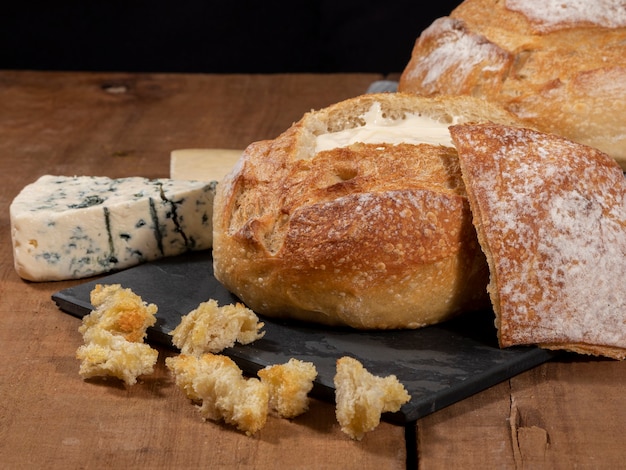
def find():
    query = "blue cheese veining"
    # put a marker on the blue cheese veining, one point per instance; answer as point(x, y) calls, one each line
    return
point(73, 227)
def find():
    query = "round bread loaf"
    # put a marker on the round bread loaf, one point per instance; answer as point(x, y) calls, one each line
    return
point(374, 233)
point(560, 66)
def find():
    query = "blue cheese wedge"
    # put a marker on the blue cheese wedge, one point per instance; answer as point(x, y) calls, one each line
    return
point(65, 227)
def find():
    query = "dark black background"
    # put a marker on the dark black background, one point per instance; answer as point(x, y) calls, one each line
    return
point(213, 37)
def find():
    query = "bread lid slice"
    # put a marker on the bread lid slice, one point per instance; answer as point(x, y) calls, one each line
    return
point(551, 218)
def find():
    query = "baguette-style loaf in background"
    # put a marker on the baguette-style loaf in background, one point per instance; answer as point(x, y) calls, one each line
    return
point(372, 235)
point(560, 66)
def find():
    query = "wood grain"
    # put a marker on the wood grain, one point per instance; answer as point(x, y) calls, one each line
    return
point(123, 125)
point(568, 413)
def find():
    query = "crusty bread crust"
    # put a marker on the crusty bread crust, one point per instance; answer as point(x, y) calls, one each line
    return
point(559, 67)
point(551, 218)
point(371, 236)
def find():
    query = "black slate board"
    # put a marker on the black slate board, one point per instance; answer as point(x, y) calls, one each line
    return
point(438, 365)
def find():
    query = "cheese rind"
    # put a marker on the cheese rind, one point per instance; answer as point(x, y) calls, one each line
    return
point(66, 227)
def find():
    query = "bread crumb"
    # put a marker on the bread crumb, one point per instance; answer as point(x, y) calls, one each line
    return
point(211, 329)
point(361, 397)
point(289, 385)
point(218, 383)
point(113, 334)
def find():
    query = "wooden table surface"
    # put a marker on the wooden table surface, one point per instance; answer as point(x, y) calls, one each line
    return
point(569, 413)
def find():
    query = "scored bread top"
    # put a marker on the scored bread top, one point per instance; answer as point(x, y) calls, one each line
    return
point(551, 218)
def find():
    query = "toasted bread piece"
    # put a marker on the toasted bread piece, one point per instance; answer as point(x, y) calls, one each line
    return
point(289, 385)
point(119, 311)
point(109, 355)
point(114, 333)
point(224, 392)
point(361, 397)
point(211, 328)
point(551, 218)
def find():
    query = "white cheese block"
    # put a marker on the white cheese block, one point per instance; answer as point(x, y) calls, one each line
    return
point(73, 227)
point(202, 164)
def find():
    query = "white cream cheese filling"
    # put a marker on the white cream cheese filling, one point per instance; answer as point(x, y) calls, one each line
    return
point(378, 129)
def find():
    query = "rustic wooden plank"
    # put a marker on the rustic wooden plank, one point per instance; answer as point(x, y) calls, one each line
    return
point(123, 125)
point(570, 413)
point(471, 434)
point(51, 418)
point(565, 414)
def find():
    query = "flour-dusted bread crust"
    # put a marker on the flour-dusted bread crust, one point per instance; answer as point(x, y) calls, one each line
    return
point(372, 235)
point(558, 65)
point(551, 218)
